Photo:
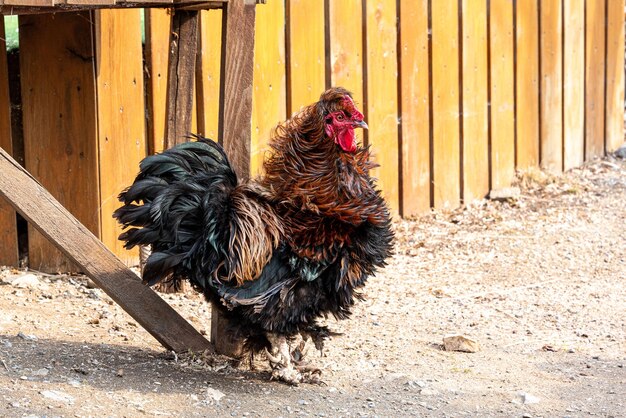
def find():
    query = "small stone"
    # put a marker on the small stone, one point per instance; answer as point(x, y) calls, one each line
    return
point(27, 280)
point(302, 402)
point(505, 193)
point(26, 337)
point(371, 404)
point(461, 343)
point(15, 404)
point(527, 415)
point(56, 395)
point(40, 372)
point(23, 377)
point(527, 398)
point(73, 383)
point(332, 389)
point(214, 394)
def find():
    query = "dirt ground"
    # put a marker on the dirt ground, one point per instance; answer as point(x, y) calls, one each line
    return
point(538, 280)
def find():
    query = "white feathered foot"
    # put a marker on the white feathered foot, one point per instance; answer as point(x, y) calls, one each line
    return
point(287, 360)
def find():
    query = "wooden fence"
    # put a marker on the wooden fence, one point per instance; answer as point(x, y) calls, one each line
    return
point(458, 94)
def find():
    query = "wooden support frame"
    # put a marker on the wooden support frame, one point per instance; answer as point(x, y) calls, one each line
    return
point(56, 224)
point(46, 214)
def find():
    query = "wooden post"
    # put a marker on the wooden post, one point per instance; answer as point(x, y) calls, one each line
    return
point(62, 229)
point(181, 76)
point(180, 87)
point(235, 119)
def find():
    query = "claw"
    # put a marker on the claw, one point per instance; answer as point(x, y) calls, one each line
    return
point(275, 360)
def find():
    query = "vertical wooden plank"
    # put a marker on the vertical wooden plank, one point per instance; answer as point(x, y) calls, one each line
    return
point(236, 83)
point(573, 83)
point(527, 83)
point(121, 129)
point(445, 102)
point(382, 83)
point(59, 115)
point(8, 230)
point(307, 55)
point(594, 88)
point(235, 116)
point(158, 23)
point(502, 91)
point(615, 76)
point(551, 86)
point(208, 72)
point(181, 76)
point(475, 121)
point(415, 122)
point(269, 98)
point(346, 46)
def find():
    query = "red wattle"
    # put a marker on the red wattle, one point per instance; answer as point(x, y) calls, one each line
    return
point(346, 140)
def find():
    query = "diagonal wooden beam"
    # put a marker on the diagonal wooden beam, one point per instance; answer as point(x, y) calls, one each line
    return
point(46, 214)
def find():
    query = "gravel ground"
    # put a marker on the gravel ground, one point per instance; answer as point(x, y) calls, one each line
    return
point(538, 281)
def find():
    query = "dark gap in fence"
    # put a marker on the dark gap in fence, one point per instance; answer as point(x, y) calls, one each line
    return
point(489, 107)
point(17, 142)
point(399, 94)
point(461, 139)
point(606, 64)
point(563, 75)
point(287, 57)
point(365, 71)
point(515, 156)
point(431, 137)
point(327, 58)
point(540, 82)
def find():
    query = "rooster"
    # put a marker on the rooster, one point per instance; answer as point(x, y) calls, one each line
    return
point(276, 253)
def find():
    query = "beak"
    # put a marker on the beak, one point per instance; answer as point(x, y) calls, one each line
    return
point(361, 124)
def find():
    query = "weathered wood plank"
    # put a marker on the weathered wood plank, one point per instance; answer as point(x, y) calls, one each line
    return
point(615, 75)
point(269, 98)
point(551, 86)
point(236, 83)
point(181, 77)
point(415, 106)
point(158, 23)
point(445, 102)
point(346, 46)
point(59, 119)
point(307, 68)
point(235, 118)
point(381, 109)
point(527, 84)
point(475, 88)
point(594, 69)
point(49, 217)
point(8, 229)
point(502, 94)
point(208, 73)
point(573, 83)
point(121, 133)
point(38, 3)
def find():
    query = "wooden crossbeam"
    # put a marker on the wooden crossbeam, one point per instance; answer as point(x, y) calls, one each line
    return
point(46, 214)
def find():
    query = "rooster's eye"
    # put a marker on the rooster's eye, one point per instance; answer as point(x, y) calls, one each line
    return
point(340, 117)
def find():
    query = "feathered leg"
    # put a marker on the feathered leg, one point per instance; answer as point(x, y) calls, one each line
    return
point(287, 363)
